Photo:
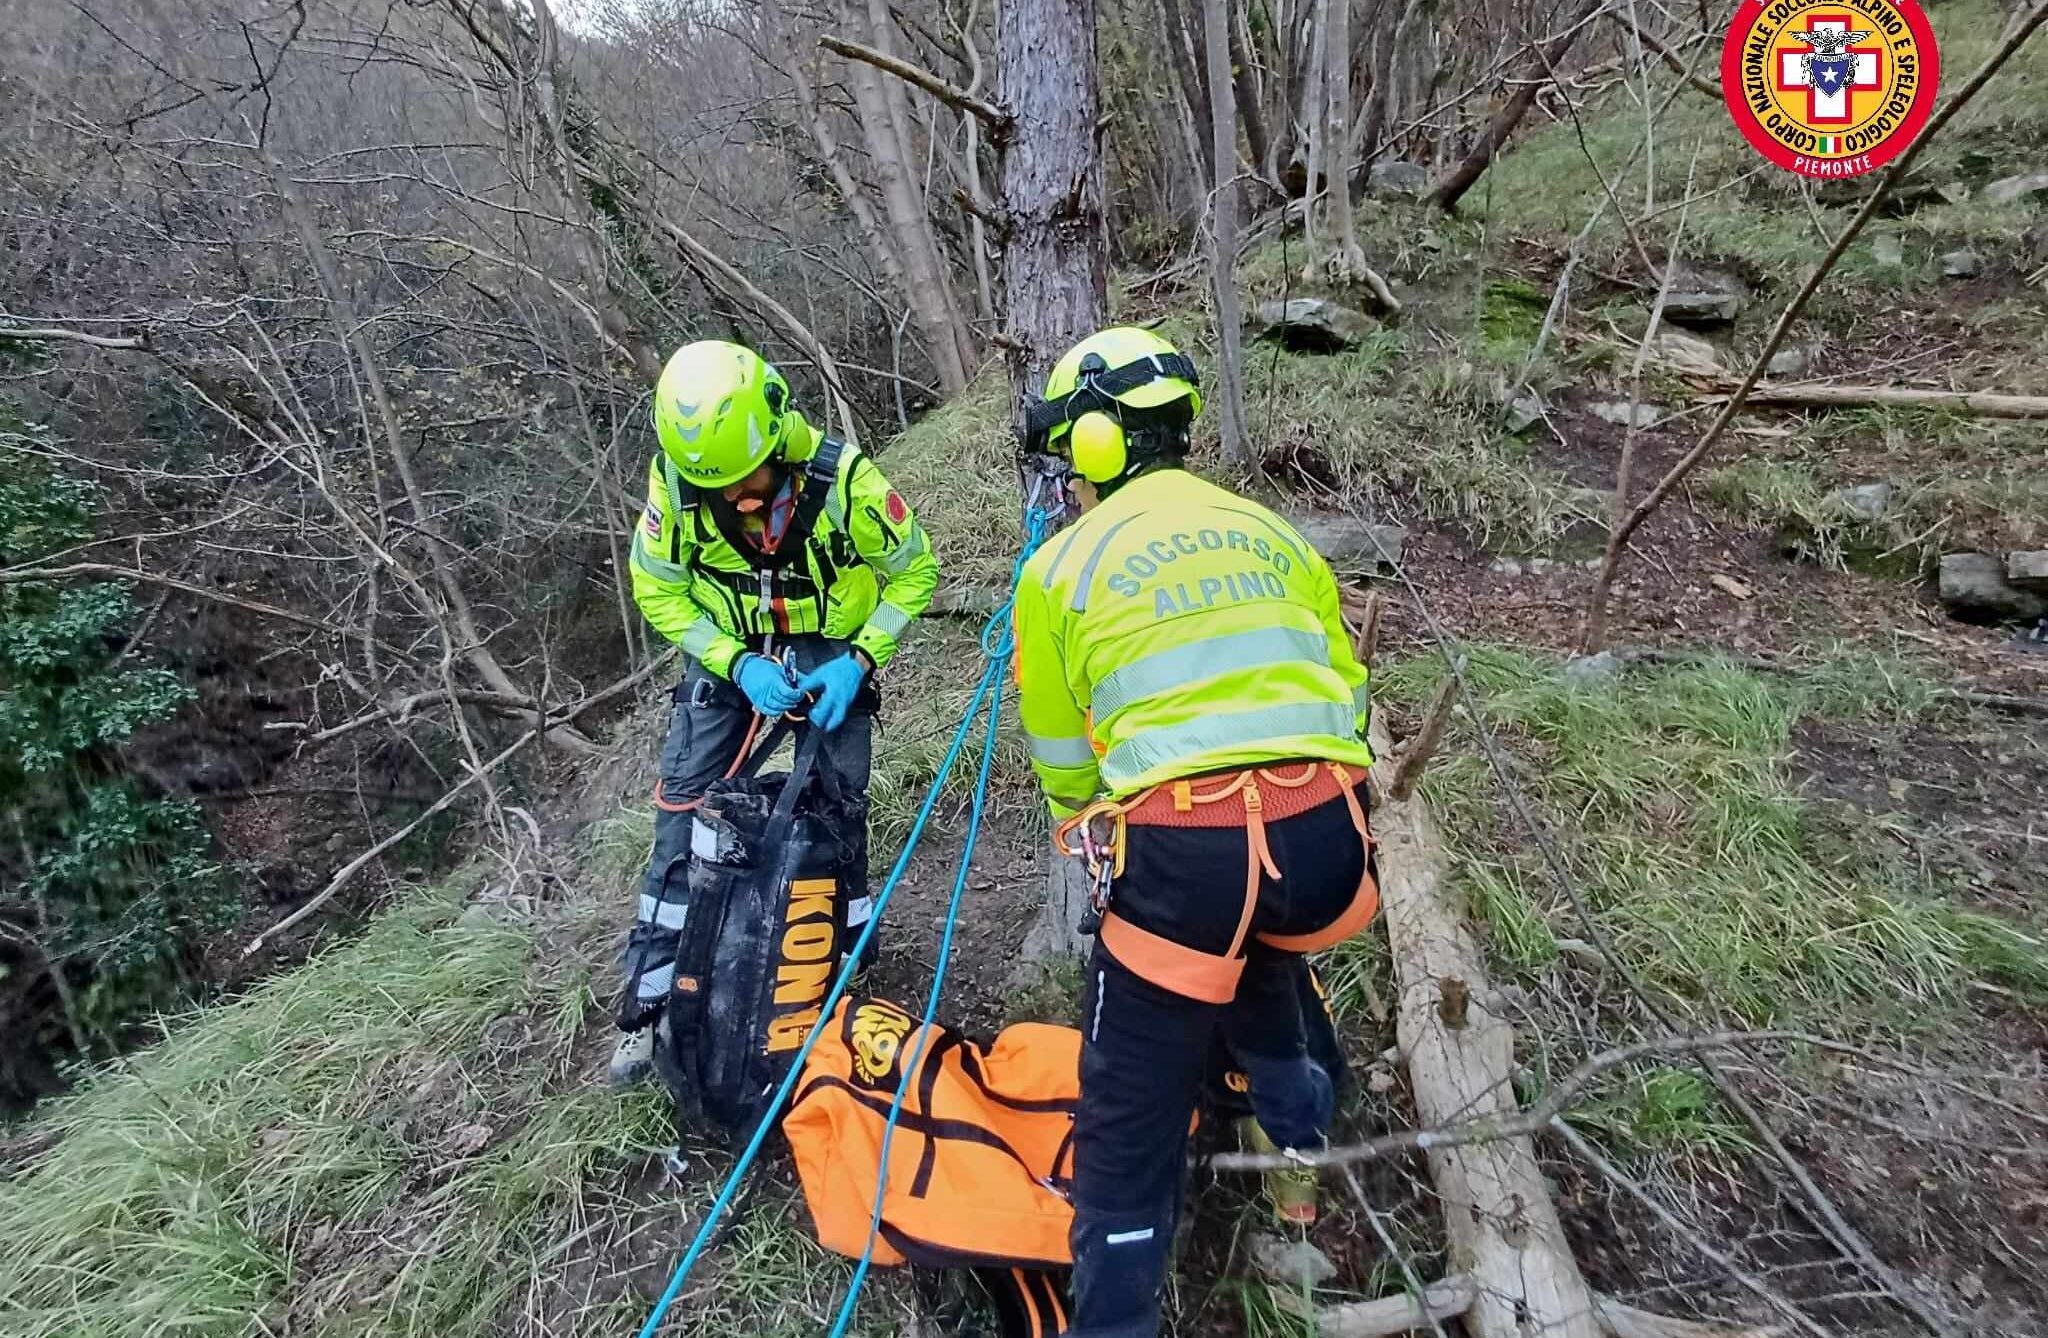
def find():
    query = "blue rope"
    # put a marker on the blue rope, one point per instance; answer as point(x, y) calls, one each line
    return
point(867, 1254)
point(995, 644)
point(995, 640)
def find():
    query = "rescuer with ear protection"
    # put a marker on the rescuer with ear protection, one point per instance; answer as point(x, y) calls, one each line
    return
point(1120, 402)
point(1196, 719)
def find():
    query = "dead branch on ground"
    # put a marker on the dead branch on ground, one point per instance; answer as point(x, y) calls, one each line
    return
point(47, 334)
point(1535, 1119)
point(1981, 403)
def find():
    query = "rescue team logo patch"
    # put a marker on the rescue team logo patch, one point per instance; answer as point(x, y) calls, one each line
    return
point(1830, 88)
point(877, 1036)
point(650, 520)
point(899, 510)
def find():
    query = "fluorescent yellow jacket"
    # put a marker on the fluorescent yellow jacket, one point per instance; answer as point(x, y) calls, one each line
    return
point(1178, 629)
point(863, 572)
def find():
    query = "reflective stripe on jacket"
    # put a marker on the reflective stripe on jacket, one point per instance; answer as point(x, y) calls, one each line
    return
point(866, 570)
point(1177, 629)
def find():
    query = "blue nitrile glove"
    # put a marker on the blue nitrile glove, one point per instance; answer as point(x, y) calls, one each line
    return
point(766, 687)
point(836, 683)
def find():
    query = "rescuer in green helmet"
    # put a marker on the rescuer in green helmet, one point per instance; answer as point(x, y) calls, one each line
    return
point(785, 567)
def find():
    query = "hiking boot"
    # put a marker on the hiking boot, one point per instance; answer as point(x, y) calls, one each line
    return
point(1290, 1190)
point(633, 1057)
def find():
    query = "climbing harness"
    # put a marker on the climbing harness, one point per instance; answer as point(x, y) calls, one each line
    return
point(1249, 799)
point(1041, 508)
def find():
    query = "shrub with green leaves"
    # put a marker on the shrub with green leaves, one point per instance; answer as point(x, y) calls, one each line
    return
point(105, 890)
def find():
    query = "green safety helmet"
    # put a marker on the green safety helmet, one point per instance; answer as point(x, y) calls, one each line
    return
point(720, 410)
point(1089, 391)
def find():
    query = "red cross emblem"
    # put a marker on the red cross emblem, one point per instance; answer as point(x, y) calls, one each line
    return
point(1825, 105)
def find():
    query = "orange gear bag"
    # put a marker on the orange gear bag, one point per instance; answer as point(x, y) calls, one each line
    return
point(981, 1161)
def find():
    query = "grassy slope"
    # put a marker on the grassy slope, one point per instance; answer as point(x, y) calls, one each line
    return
point(1414, 414)
point(1963, 481)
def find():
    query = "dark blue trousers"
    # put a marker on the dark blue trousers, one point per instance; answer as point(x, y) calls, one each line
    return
point(1145, 1050)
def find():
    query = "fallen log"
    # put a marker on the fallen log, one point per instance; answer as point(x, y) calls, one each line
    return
point(1445, 1300)
point(1503, 1232)
point(1981, 403)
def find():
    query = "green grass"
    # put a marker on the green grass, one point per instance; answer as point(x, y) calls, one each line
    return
point(399, 1138)
point(957, 464)
point(1672, 798)
point(957, 467)
point(1958, 484)
point(1663, 1110)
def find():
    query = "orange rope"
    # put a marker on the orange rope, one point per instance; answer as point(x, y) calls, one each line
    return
point(746, 746)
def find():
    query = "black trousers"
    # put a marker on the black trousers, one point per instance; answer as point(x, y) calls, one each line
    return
point(707, 724)
point(1144, 1049)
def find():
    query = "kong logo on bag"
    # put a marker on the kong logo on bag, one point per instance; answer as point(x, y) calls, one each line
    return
point(808, 954)
point(1830, 89)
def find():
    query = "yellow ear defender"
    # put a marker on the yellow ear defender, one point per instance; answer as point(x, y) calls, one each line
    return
point(1096, 442)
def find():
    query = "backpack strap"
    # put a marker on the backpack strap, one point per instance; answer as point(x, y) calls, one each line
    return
point(1029, 1302)
point(821, 476)
point(683, 497)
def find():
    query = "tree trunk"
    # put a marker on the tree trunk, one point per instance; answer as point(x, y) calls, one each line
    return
point(896, 96)
point(857, 202)
point(1312, 117)
point(928, 286)
point(1341, 230)
point(1373, 121)
point(1247, 91)
point(1056, 262)
point(1194, 140)
point(977, 232)
point(1216, 26)
point(1333, 252)
point(1191, 82)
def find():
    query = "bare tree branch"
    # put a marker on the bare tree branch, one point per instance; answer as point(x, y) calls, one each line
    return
point(994, 117)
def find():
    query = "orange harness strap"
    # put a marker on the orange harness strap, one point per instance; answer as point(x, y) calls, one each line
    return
point(1365, 903)
point(1210, 977)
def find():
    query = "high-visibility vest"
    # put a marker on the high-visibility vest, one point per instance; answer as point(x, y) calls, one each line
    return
point(855, 565)
point(1178, 629)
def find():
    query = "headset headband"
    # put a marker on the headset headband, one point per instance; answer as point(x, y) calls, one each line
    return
point(1102, 389)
